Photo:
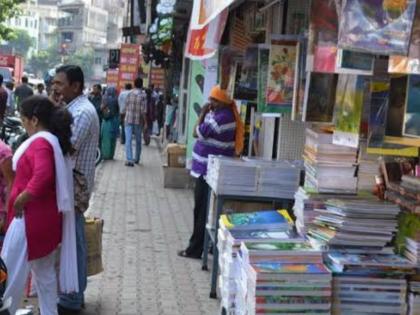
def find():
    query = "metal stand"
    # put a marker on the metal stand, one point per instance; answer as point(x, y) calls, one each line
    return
point(211, 231)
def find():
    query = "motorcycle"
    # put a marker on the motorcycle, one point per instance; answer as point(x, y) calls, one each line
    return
point(12, 132)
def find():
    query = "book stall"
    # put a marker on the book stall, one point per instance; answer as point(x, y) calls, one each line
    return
point(331, 104)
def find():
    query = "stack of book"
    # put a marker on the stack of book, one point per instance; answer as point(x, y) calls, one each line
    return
point(355, 225)
point(405, 193)
point(329, 168)
point(252, 177)
point(414, 297)
point(368, 169)
point(369, 284)
point(412, 250)
point(278, 288)
point(258, 227)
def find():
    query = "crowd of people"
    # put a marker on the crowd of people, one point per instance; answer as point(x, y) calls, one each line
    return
point(45, 185)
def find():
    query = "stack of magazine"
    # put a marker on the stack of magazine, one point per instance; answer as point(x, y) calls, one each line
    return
point(367, 171)
point(252, 177)
point(369, 284)
point(405, 193)
point(412, 250)
point(329, 168)
point(355, 225)
point(413, 297)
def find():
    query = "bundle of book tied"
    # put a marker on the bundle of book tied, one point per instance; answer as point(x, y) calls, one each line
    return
point(405, 193)
point(413, 297)
point(258, 227)
point(363, 225)
point(329, 168)
point(252, 177)
point(369, 284)
point(266, 268)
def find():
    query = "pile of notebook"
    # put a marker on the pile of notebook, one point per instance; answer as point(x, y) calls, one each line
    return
point(369, 284)
point(329, 168)
point(413, 297)
point(412, 250)
point(405, 193)
point(355, 225)
point(252, 177)
point(257, 227)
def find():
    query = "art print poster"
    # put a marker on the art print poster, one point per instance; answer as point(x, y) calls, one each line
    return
point(409, 64)
point(411, 126)
point(355, 62)
point(377, 26)
point(283, 61)
point(320, 97)
point(348, 109)
point(246, 85)
point(397, 99)
point(263, 57)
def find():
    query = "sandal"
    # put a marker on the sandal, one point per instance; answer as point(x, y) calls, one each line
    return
point(183, 253)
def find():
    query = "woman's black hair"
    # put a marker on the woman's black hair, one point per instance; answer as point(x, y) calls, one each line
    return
point(55, 119)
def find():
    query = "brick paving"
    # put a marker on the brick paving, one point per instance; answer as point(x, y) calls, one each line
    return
point(145, 225)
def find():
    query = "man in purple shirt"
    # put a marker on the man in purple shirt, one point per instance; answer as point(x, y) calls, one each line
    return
point(215, 133)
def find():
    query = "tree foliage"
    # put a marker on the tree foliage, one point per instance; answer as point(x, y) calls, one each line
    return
point(20, 42)
point(45, 60)
point(8, 9)
point(84, 58)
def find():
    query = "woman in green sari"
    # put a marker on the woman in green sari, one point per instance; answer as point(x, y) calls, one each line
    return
point(110, 123)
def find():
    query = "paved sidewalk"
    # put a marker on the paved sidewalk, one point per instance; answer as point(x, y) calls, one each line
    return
point(145, 225)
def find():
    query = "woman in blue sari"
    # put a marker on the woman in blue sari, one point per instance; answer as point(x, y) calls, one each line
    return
point(110, 123)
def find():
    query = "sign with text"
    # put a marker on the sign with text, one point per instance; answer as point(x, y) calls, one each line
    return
point(129, 63)
point(114, 58)
point(112, 77)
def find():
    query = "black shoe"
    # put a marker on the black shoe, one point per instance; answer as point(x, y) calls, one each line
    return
point(66, 311)
point(183, 253)
point(130, 164)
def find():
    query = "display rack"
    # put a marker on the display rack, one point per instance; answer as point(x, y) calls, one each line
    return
point(211, 230)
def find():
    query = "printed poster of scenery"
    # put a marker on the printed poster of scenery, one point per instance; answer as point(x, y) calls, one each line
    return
point(409, 64)
point(246, 81)
point(412, 109)
point(377, 26)
point(263, 57)
point(348, 109)
point(281, 74)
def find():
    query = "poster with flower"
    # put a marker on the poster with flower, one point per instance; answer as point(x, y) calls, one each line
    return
point(283, 61)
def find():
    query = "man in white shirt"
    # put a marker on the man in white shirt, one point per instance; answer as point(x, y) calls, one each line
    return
point(121, 104)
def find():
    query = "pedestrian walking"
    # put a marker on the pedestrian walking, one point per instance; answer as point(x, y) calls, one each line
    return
point(40, 90)
point(10, 106)
point(41, 207)
point(160, 113)
point(69, 82)
point(110, 123)
point(121, 103)
point(219, 131)
point(23, 91)
point(6, 180)
point(95, 97)
point(3, 99)
point(135, 121)
point(150, 111)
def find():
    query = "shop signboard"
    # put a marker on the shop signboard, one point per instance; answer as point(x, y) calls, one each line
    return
point(129, 63)
point(112, 77)
point(157, 77)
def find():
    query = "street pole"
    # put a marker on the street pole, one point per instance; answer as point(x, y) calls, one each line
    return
point(131, 21)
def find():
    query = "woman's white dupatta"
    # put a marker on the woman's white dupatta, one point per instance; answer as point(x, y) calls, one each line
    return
point(68, 278)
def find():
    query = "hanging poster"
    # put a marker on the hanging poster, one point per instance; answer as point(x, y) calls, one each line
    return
point(378, 110)
point(320, 97)
point(263, 56)
point(246, 82)
point(354, 62)
point(204, 11)
point(129, 64)
point(411, 126)
point(348, 109)
point(283, 62)
point(377, 26)
point(323, 34)
point(397, 98)
point(409, 64)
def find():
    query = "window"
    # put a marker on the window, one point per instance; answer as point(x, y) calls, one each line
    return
point(35, 24)
point(26, 22)
point(67, 37)
point(98, 60)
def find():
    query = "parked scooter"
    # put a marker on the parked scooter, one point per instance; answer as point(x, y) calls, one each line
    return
point(12, 132)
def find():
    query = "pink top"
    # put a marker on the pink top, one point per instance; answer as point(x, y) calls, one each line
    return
point(5, 153)
point(36, 174)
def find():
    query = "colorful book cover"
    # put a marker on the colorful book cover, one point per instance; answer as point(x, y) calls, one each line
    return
point(411, 127)
point(354, 62)
point(276, 267)
point(280, 247)
point(283, 62)
point(262, 235)
point(325, 58)
point(252, 219)
point(263, 57)
point(377, 26)
point(293, 300)
point(348, 109)
point(396, 107)
point(246, 85)
point(409, 64)
point(381, 260)
point(320, 97)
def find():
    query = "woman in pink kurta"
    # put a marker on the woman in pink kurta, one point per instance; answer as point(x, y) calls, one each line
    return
point(35, 221)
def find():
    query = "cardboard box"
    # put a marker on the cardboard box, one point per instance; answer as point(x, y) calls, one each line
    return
point(175, 177)
point(176, 155)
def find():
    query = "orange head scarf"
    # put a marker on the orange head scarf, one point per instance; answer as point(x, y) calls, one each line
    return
point(221, 95)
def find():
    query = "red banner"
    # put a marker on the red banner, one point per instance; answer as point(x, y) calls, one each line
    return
point(112, 77)
point(157, 77)
point(129, 64)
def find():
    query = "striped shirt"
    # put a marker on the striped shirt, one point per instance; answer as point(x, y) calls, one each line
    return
point(85, 137)
point(216, 136)
point(135, 107)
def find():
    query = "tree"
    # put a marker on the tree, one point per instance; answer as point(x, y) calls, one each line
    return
point(44, 60)
point(8, 10)
point(20, 42)
point(84, 59)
